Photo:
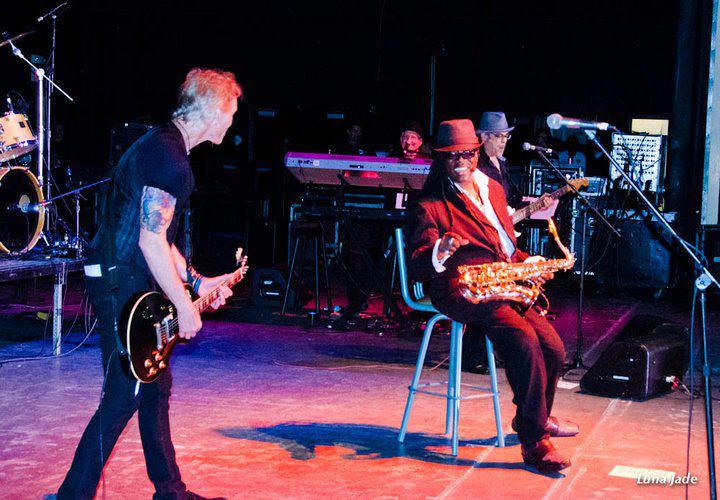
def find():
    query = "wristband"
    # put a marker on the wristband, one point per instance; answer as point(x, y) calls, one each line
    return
point(196, 284)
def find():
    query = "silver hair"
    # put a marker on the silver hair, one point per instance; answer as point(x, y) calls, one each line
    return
point(204, 91)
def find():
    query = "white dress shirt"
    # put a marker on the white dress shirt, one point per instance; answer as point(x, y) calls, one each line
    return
point(486, 208)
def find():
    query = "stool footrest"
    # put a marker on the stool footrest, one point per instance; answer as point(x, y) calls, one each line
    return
point(420, 389)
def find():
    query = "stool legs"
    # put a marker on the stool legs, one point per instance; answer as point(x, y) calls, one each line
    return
point(496, 394)
point(318, 247)
point(453, 394)
point(449, 411)
point(418, 370)
point(317, 276)
point(290, 276)
point(328, 290)
point(456, 331)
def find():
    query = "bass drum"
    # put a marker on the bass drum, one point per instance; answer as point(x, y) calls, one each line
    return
point(20, 226)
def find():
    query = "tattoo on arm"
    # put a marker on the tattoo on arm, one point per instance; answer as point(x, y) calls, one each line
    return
point(156, 209)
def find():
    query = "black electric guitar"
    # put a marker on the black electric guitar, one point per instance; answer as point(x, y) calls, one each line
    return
point(148, 327)
point(542, 203)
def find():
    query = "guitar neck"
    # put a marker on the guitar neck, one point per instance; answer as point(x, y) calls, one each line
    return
point(204, 302)
point(525, 212)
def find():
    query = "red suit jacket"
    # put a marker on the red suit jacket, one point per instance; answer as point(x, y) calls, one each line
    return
point(430, 218)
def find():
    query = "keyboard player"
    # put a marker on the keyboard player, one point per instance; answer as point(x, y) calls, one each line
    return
point(411, 145)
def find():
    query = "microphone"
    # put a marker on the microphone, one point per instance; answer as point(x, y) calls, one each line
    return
point(25, 207)
point(52, 12)
point(529, 147)
point(555, 121)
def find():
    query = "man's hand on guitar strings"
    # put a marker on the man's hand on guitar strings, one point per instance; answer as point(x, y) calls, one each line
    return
point(208, 284)
point(189, 322)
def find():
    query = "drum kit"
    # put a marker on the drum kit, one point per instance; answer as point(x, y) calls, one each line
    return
point(22, 214)
point(23, 207)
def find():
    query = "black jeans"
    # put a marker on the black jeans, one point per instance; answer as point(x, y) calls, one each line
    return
point(532, 351)
point(122, 396)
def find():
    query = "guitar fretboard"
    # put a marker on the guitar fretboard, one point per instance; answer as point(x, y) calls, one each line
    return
point(525, 212)
point(204, 302)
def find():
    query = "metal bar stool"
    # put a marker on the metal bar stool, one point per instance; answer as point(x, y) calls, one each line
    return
point(304, 233)
point(454, 384)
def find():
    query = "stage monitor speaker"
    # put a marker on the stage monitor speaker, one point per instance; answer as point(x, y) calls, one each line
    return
point(639, 361)
point(268, 288)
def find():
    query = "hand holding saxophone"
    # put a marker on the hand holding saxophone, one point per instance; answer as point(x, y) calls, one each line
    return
point(534, 259)
point(519, 282)
point(449, 243)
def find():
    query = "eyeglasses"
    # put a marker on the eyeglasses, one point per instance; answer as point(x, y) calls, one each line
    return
point(468, 154)
point(502, 136)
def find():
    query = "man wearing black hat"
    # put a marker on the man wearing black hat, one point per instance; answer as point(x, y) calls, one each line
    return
point(461, 218)
point(495, 133)
point(411, 143)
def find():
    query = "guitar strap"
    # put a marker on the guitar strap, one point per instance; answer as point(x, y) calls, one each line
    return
point(187, 247)
point(511, 183)
point(108, 257)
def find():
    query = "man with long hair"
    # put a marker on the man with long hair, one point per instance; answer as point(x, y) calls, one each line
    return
point(461, 219)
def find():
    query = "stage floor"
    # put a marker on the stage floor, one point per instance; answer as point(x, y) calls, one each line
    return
point(282, 410)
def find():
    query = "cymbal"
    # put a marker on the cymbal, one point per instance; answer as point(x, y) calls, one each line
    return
point(16, 37)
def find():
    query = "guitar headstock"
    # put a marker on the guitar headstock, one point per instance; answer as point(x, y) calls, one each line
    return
point(579, 182)
point(241, 261)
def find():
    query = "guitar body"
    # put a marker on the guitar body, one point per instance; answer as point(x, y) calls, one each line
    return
point(145, 332)
point(148, 326)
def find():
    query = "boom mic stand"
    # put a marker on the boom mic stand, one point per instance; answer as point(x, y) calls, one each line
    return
point(704, 280)
point(577, 361)
point(41, 78)
point(50, 71)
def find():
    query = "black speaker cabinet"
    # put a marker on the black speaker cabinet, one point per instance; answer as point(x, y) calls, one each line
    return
point(641, 257)
point(268, 288)
point(123, 136)
point(638, 362)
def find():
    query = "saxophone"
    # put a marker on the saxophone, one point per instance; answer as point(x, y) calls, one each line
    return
point(519, 282)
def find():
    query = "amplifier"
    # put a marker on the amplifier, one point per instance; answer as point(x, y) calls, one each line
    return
point(597, 186)
point(123, 136)
point(648, 154)
point(642, 256)
point(544, 180)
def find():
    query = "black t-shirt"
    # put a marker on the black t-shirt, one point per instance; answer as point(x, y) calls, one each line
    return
point(158, 159)
point(501, 176)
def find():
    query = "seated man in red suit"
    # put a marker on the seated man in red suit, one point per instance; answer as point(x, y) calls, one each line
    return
point(461, 218)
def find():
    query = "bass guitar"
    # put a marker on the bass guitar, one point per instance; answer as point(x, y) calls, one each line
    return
point(545, 201)
point(148, 326)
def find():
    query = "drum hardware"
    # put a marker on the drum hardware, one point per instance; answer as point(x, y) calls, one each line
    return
point(8, 41)
point(76, 242)
point(41, 101)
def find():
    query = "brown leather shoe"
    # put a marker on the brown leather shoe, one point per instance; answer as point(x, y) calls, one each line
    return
point(556, 427)
point(544, 457)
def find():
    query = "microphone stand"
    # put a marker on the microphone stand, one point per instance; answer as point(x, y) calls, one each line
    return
point(704, 280)
point(577, 361)
point(78, 247)
point(41, 78)
point(53, 14)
